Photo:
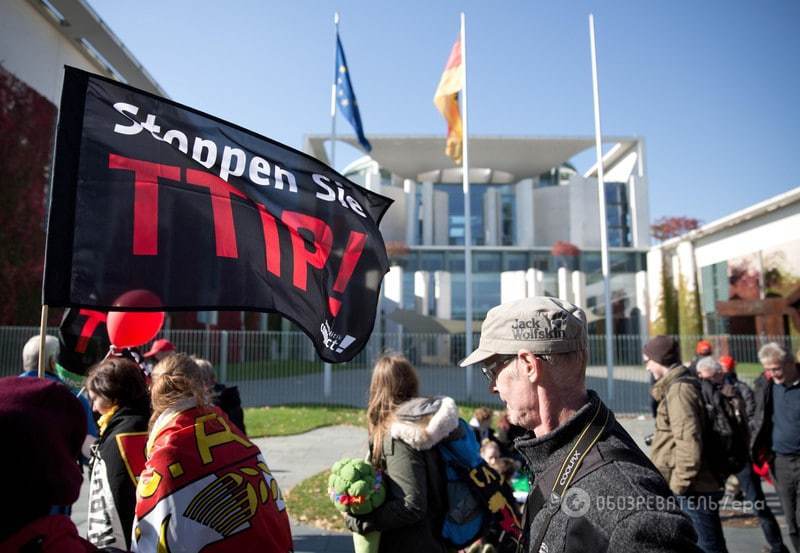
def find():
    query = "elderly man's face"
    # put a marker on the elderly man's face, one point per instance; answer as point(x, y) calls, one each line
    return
point(717, 377)
point(518, 393)
point(781, 372)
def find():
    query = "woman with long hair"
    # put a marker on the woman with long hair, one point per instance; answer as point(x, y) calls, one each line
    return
point(205, 486)
point(403, 430)
point(119, 395)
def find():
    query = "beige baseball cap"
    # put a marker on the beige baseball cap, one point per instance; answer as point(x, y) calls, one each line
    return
point(540, 325)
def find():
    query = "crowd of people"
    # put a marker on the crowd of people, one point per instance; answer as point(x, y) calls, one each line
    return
point(169, 464)
point(171, 468)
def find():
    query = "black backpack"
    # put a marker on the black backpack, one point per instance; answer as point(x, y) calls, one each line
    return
point(726, 436)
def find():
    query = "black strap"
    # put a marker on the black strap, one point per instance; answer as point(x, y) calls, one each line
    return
point(566, 474)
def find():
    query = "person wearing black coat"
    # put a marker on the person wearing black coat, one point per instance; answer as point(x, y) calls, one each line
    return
point(119, 394)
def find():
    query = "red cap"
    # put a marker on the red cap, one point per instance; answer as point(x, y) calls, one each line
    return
point(703, 348)
point(160, 346)
point(728, 363)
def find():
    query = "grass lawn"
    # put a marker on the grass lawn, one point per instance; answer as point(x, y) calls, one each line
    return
point(749, 370)
point(286, 420)
point(308, 502)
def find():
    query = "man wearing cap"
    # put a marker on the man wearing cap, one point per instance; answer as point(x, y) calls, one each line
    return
point(677, 448)
point(593, 488)
point(702, 350)
point(160, 349)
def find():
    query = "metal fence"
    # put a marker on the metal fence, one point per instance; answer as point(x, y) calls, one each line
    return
point(272, 368)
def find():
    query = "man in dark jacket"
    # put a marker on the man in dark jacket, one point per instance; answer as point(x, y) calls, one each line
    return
point(749, 481)
point(775, 432)
point(594, 489)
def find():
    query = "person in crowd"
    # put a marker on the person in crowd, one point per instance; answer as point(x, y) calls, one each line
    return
point(44, 426)
point(775, 432)
point(490, 451)
point(160, 349)
point(30, 368)
point(749, 481)
point(225, 397)
point(481, 423)
point(119, 395)
point(534, 353)
point(403, 430)
point(702, 349)
point(204, 486)
point(677, 448)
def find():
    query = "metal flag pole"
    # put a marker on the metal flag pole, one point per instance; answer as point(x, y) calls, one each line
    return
point(598, 141)
point(327, 371)
point(42, 337)
point(467, 211)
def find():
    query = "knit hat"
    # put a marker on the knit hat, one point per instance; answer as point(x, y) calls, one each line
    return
point(664, 350)
point(703, 347)
point(728, 363)
point(45, 426)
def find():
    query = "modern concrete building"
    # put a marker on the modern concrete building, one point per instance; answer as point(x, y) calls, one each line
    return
point(529, 207)
point(745, 268)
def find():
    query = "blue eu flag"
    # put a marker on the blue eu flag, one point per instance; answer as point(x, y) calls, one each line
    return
point(345, 97)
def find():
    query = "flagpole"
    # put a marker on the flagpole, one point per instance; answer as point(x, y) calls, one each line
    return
point(467, 210)
point(603, 222)
point(327, 371)
point(42, 337)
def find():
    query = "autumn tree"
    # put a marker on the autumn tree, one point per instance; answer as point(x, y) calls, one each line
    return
point(670, 227)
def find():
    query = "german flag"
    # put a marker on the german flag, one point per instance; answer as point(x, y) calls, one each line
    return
point(446, 101)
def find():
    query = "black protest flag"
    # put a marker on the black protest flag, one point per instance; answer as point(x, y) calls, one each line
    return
point(84, 339)
point(152, 195)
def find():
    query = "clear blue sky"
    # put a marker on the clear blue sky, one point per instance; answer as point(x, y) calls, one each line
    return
point(711, 86)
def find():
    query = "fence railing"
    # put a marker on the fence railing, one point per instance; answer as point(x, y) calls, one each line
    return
point(272, 368)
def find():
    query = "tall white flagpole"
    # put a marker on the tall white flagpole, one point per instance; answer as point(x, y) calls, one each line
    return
point(598, 141)
point(327, 371)
point(467, 214)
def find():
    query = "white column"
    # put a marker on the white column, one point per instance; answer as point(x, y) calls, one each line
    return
point(427, 213)
point(393, 287)
point(579, 289)
point(422, 291)
point(491, 216)
point(412, 213)
point(642, 301)
point(534, 279)
point(513, 286)
point(524, 207)
point(685, 255)
point(443, 292)
point(564, 292)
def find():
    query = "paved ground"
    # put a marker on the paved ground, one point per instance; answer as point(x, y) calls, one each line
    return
point(294, 458)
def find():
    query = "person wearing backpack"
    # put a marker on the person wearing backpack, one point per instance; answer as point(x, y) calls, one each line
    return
point(719, 388)
point(403, 430)
point(678, 445)
point(594, 489)
point(775, 435)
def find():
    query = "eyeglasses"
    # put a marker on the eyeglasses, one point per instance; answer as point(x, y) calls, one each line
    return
point(491, 370)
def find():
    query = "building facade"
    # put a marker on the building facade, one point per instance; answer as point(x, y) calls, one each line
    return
point(534, 221)
point(739, 275)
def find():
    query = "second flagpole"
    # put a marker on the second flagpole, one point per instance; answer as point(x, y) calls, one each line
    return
point(467, 210)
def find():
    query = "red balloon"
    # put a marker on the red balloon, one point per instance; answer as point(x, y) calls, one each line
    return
point(127, 329)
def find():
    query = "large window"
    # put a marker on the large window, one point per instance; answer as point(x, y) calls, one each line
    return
point(508, 227)
point(617, 215)
point(455, 213)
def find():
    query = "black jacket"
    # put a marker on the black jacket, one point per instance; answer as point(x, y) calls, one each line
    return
point(227, 398)
point(614, 505)
point(112, 491)
point(761, 422)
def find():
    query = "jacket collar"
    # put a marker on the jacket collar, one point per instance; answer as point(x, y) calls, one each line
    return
point(424, 422)
point(661, 385)
point(541, 452)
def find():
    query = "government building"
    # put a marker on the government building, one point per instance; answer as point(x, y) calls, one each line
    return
point(534, 221)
